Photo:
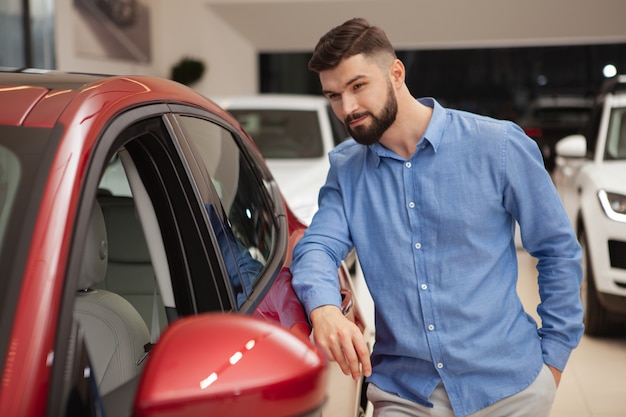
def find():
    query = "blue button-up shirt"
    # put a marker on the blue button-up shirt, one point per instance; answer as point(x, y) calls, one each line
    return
point(435, 239)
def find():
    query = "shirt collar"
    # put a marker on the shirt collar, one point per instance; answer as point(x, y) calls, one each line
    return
point(436, 126)
point(432, 135)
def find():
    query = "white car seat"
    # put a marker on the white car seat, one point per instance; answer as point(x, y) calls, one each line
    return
point(130, 272)
point(115, 332)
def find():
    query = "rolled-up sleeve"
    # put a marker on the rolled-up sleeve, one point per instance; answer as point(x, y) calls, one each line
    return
point(547, 235)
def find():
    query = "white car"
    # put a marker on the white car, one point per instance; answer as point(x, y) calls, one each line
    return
point(294, 133)
point(590, 177)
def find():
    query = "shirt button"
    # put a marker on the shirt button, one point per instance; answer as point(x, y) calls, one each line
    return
point(431, 327)
point(424, 286)
point(411, 204)
point(440, 365)
point(418, 246)
point(408, 165)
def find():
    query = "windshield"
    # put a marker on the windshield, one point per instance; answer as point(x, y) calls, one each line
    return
point(616, 136)
point(10, 175)
point(21, 158)
point(283, 134)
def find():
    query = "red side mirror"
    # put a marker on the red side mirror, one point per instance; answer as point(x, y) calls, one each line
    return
point(231, 365)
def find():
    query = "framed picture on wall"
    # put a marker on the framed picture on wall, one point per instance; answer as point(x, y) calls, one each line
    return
point(112, 29)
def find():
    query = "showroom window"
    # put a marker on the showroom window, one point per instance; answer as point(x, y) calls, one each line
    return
point(27, 34)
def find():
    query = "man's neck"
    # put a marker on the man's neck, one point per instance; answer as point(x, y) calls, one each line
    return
point(408, 129)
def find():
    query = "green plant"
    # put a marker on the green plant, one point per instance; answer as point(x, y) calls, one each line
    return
point(188, 71)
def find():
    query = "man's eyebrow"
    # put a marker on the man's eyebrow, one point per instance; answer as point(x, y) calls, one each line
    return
point(347, 83)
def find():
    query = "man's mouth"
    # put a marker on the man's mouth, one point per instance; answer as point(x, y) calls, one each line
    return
point(355, 119)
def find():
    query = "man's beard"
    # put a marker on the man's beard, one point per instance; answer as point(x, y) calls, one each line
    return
point(368, 135)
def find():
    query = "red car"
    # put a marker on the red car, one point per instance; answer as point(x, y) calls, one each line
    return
point(135, 214)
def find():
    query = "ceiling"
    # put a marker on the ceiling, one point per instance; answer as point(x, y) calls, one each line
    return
point(296, 25)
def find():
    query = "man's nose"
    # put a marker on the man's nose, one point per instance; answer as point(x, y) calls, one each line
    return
point(349, 104)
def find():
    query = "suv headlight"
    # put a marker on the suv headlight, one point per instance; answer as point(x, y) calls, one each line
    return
point(614, 205)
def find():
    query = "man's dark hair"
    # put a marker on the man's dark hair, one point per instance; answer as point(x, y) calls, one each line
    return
point(353, 37)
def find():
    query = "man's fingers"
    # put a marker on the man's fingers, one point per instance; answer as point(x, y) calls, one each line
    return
point(364, 358)
point(338, 354)
point(352, 359)
point(352, 356)
point(341, 340)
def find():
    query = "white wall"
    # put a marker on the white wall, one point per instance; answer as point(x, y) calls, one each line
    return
point(178, 29)
point(228, 34)
point(296, 25)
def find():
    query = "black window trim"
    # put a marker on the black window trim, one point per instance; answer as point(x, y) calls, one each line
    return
point(271, 195)
point(183, 149)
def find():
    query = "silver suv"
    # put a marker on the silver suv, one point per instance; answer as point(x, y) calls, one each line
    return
point(590, 176)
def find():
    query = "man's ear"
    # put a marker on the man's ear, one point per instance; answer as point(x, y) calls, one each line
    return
point(397, 72)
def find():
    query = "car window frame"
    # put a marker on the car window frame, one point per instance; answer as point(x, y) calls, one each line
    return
point(271, 195)
point(66, 349)
point(110, 139)
point(181, 226)
point(205, 192)
point(65, 356)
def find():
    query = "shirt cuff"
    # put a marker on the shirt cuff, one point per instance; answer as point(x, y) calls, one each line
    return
point(555, 354)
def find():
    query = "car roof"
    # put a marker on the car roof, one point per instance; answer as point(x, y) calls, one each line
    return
point(38, 98)
point(53, 80)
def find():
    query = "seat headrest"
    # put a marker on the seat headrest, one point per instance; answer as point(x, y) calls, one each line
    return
point(95, 257)
point(125, 234)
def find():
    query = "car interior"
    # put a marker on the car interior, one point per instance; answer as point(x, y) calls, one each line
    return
point(116, 334)
point(130, 272)
point(119, 305)
point(126, 296)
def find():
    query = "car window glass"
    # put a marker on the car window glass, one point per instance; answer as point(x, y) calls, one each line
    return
point(25, 154)
point(243, 223)
point(114, 179)
point(10, 174)
point(616, 136)
point(283, 133)
point(183, 249)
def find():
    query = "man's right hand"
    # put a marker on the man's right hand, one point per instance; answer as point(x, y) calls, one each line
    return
point(342, 341)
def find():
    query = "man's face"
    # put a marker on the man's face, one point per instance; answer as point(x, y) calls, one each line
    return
point(356, 88)
point(368, 134)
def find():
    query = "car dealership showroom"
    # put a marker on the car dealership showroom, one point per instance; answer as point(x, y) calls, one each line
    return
point(160, 160)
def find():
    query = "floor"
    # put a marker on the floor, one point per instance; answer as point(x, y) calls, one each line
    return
point(594, 382)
